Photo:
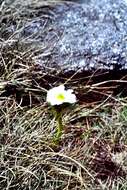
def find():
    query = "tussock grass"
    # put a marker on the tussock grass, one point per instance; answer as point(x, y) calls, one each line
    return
point(92, 153)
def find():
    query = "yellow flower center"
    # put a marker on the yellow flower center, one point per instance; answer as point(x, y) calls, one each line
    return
point(60, 97)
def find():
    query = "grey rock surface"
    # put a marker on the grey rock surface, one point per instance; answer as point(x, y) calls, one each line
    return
point(94, 34)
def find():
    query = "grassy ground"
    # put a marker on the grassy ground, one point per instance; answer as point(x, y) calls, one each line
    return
point(92, 153)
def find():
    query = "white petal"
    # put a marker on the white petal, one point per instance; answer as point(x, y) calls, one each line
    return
point(71, 98)
point(70, 91)
point(61, 87)
point(54, 92)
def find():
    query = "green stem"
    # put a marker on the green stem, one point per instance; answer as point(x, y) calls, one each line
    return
point(58, 116)
point(59, 126)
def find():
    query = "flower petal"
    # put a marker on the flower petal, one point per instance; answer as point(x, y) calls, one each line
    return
point(54, 94)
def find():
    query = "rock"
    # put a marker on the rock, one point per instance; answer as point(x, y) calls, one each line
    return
point(71, 36)
point(94, 35)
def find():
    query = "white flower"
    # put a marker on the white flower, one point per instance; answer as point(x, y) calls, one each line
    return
point(58, 95)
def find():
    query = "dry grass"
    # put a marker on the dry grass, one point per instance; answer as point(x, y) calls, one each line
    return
point(92, 153)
